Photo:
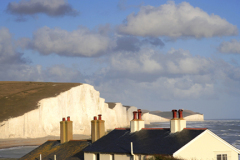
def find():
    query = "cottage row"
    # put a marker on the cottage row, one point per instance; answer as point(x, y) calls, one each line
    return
point(136, 142)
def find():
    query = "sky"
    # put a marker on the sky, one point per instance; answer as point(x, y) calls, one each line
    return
point(155, 55)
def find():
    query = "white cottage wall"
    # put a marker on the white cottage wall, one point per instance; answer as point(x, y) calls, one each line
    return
point(106, 157)
point(89, 156)
point(122, 157)
point(206, 147)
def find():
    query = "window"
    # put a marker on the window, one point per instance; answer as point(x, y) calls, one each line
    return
point(221, 156)
point(97, 157)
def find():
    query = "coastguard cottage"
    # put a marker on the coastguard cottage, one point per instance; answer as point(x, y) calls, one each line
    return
point(139, 143)
point(136, 142)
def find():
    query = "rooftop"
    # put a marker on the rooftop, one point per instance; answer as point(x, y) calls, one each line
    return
point(71, 150)
point(145, 141)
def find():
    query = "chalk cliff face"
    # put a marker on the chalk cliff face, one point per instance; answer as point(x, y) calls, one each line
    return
point(149, 118)
point(196, 117)
point(81, 103)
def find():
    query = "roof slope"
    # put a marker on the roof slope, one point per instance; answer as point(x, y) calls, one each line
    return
point(145, 141)
point(71, 150)
point(17, 98)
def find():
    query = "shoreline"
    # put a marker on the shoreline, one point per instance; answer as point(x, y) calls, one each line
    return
point(18, 142)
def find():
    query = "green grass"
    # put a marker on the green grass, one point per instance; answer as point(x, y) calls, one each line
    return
point(17, 98)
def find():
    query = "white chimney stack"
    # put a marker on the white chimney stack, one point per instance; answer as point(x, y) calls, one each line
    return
point(177, 124)
point(174, 122)
point(141, 124)
point(182, 122)
point(137, 123)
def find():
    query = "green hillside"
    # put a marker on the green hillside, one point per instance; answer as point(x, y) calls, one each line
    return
point(17, 98)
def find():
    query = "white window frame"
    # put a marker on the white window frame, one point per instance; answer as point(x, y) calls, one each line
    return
point(228, 153)
point(222, 156)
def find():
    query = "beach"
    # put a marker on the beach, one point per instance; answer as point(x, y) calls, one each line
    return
point(11, 149)
point(15, 142)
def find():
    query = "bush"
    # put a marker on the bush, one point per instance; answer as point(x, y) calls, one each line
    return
point(162, 157)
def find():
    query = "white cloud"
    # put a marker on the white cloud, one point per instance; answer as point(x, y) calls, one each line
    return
point(230, 47)
point(8, 52)
point(142, 62)
point(14, 68)
point(150, 63)
point(49, 7)
point(80, 42)
point(26, 72)
point(176, 21)
point(63, 74)
point(130, 92)
point(175, 88)
point(188, 65)
point(147, 75)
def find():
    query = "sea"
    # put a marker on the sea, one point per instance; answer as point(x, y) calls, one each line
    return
point(229, 130)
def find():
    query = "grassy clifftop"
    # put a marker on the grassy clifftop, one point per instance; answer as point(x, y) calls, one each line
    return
point(17, 98)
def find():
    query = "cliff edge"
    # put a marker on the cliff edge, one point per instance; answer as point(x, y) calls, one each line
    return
point(80, 102)
point(34, 109)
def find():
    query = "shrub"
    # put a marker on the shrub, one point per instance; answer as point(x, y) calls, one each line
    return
point(163, 157)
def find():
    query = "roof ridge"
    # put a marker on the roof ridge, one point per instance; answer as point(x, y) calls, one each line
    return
point(154, 128)
point(122, 128)
point(196, 128)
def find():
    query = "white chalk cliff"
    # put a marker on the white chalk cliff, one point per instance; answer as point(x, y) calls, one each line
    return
point(81, 103)
point(195, 117)
point(149, 118)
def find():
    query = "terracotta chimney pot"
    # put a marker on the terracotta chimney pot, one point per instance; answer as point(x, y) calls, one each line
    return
point(139, 114)
point(180, 113)
point(135, 115)
point(99, 117)
point(174, 111)
point(95, 118)
point(68, 118)
point(63, 119)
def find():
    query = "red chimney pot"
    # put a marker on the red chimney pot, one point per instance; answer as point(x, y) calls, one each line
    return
point(139, 114)
point(63, 119)
point(68, 118)
point(180, 113)
point(174, 111)
point(99, 117)
point(95, 118)
point(135, 115)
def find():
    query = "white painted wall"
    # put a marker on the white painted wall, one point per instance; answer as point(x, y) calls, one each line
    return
point(89, 156)
point(205, 147)
point(106, 157)
point(81, 103)
point(122, 157)
point(182, 124)
point(174, 125)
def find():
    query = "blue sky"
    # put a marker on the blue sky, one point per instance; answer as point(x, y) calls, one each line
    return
point(155, 55)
